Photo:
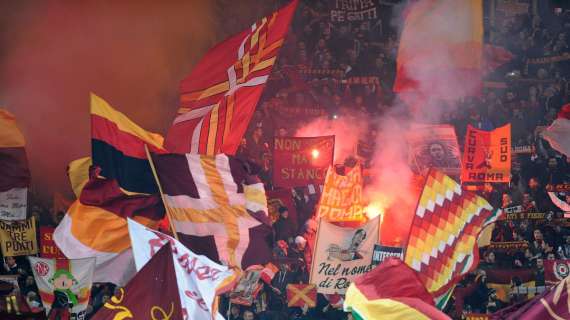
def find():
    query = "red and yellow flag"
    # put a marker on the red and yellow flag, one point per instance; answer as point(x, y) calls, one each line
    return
point(219, 97)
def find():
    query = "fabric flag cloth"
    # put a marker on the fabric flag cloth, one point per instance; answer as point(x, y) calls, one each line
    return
point(199, 279)
point(487, 155)
point(13, 169)
point(341, 199)
point(268, 272)
point(391, 291)
point(341, 254)
point(556, 270)
point(218, 98)
point(64, 285)
point(558, 133)
point(550, 305)
point(214, 210)
point(96, 225)
point(300, 295)
point(442, 245)
point(117, 147)
point(140, 299)
point(451, 65)
point(78, 173)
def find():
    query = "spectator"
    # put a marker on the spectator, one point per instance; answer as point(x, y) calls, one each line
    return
point(284, 228)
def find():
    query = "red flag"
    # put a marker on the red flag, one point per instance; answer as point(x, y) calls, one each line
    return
point(556, 270)
point(151, 294)
point(218, 98)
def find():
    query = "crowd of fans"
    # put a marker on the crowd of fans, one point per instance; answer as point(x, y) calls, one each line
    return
point(336, 69)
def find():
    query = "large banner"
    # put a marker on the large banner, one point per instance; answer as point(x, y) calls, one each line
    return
point(299, 161)
point(64, 285)
point(354, 10)
point(13, 204)
point(434, 146)
point(342, 254)
point(341, 199)
point(18, 238)
point(48, 248)
point(487, 155)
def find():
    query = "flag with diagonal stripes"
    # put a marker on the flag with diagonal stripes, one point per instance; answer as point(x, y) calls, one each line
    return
point(442, 245)
point(219, 97)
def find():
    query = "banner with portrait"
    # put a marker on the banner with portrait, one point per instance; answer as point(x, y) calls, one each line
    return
point(299, 161)
point(341, 199)
point(487, 155)
point(18, 238)
point(434, 146)
point(342, 254)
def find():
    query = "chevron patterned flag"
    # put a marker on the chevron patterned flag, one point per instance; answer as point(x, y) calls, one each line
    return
point(442, 245)
point(219, 97)
point(216, 207)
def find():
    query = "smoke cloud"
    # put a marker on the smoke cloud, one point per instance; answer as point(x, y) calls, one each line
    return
point(131, 53)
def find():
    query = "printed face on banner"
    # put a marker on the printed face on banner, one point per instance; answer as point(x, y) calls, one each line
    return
point(341, 254)
point(64, 285)
point(434, 146)
point(299, 161)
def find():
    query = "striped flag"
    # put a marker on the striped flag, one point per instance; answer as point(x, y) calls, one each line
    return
point(14, 171)
point(442, 245)
point(214, 210)
point(218, 98)
point(391, 291)
point(120, 186)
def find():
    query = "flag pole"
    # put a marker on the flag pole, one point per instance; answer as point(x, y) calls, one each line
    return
point(168, 213)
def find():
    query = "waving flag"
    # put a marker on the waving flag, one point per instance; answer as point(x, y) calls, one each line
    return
point(120, 185)
point(219, 97)
point(558, 133)
point(64, 285)
point(391, 291)
point(210, 204)
point(13, 169)
point(136, 301)
point(442, 245)
point(199, 279)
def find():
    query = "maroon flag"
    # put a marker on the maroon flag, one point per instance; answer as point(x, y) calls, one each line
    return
point(553, 304)
point(151, 294)
point(556, 270)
